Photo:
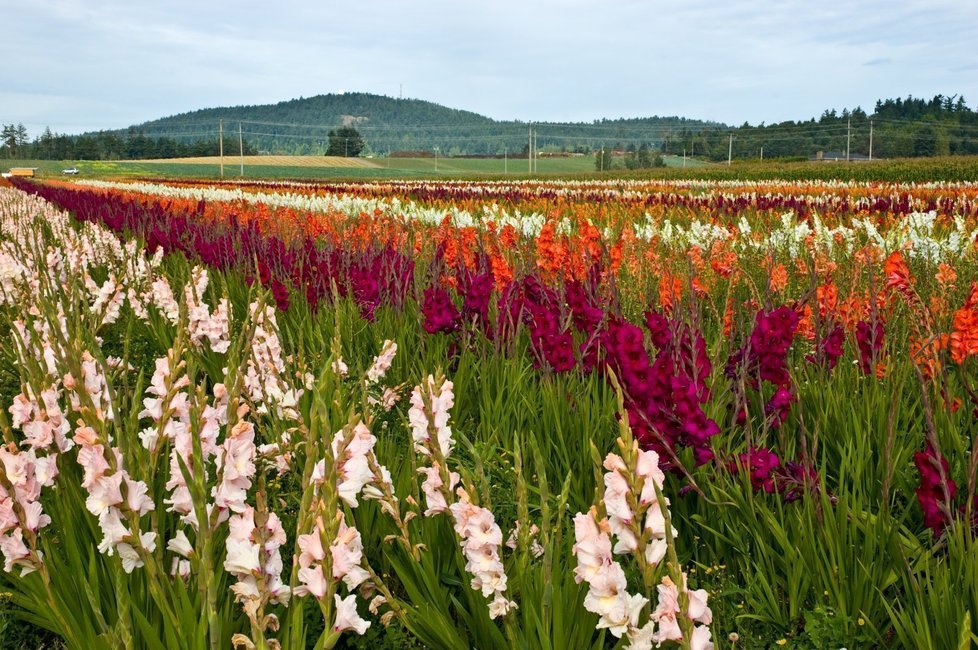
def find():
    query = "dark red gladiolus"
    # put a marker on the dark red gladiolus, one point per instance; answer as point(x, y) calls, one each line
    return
point(541, 310)
point(797, 479)
point(280, 293)
point(936, 491)
point(869, 340)
point(765, 359)
point(440, 313)
point(476, 292)
point(664, 395)
point(762, 465)
point(829, 348)
point(778, 407)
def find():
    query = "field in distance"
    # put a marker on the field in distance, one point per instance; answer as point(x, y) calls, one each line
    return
point(955, 168)
point(265, 161)
point(339, 167)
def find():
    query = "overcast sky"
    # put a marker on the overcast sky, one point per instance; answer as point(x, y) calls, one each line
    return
point(78, 65)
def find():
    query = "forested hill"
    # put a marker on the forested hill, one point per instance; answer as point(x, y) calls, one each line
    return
point(301, 126)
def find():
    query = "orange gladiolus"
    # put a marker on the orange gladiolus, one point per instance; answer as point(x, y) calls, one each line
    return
point(827, 296)
point(779, 278)
point(927, 355)
point(946, 276)
point(806, 328)
point(724, 263)
point(615, 255)
point(964, 330)
point(897, 273)
point(670, 291)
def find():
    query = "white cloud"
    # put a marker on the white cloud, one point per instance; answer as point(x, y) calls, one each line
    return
point(731, 61)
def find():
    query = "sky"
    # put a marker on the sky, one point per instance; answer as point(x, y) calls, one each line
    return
point(80, 65)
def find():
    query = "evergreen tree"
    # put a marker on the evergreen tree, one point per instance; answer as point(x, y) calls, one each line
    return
point(644, 156)
point(9, 136)
point(345, 141)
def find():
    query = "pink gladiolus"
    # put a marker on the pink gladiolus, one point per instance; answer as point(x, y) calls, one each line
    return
point(313, 582)
point(347, 554)
point(607, 597)
point(433, 486)
point(481, 540)
point(202, 325)
point(667, 612)
point(620, 515)
point(382, 363)
point(180, 545)
point(236, 463)
point(311, 548)
point(701, 638)
point(16, 553)
point(441, 399)
point(347, 617)
point(253, 553)
point(351, 457)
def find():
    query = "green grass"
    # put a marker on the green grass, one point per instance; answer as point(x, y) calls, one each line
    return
point(389, 167)
point(953, 168)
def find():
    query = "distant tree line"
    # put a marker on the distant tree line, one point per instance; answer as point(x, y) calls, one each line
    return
point(910, 127)
point(109, 145)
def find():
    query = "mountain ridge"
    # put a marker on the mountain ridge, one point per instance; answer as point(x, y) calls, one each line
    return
point(301, 125)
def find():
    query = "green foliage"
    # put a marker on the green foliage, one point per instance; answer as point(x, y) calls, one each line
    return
point(603, 161)
point(344, 141)
point(111, 145)
point(19, 634)
point(642, 158)
point(901, 128)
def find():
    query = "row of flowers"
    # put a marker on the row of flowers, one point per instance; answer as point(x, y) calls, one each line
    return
point(934, 224)
point(833, 197)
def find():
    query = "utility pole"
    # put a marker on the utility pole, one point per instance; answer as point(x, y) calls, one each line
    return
point(871, 139)
point(505, 161)
point(241, 149)
point(848, 136)
point(436, 159)
point(762, 154)
point(684, 157)
point(529, 151)
point(220, 139)
point(346, 147)
point(534, 156)
point(730, 150)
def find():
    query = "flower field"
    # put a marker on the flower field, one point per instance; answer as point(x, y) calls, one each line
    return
point(530, 414)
